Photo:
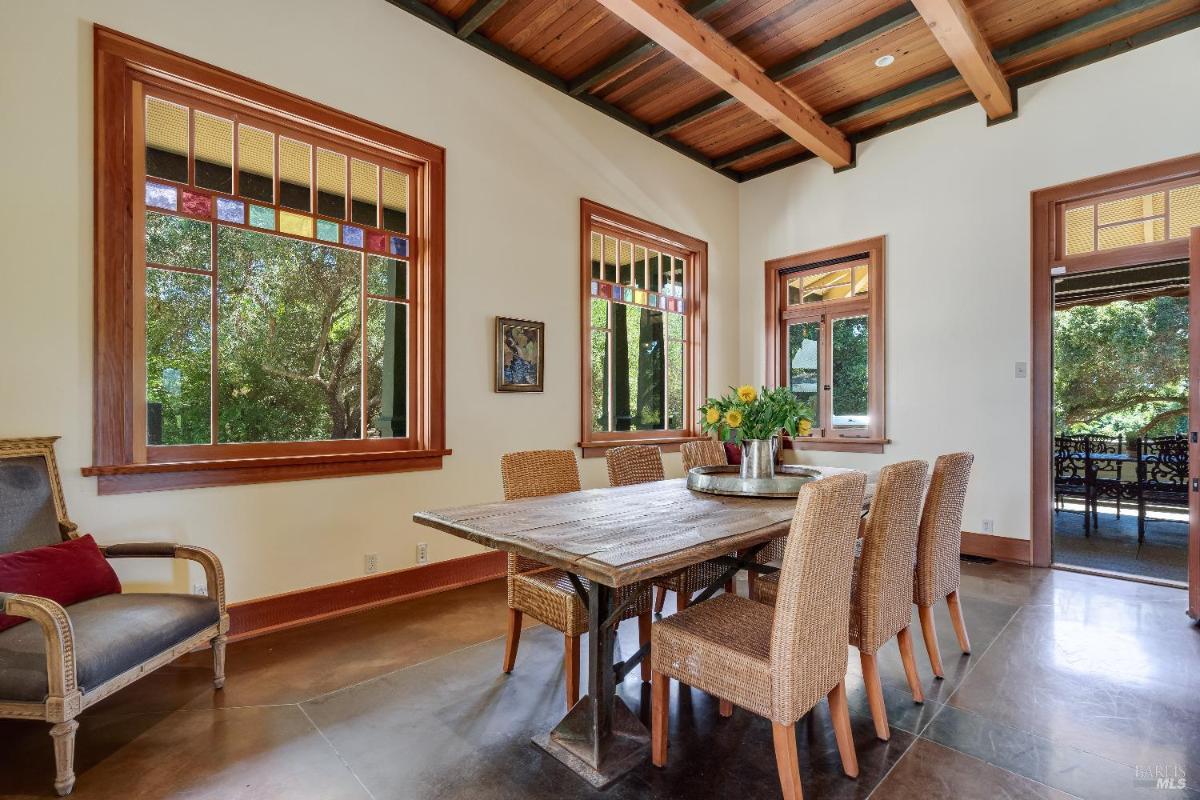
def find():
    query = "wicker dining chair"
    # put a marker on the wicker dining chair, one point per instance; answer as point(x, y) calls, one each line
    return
point(639, 463)
point(938, 546)
point(881, 599)
point(777, 663)
point(545, 593)
point(704, 453)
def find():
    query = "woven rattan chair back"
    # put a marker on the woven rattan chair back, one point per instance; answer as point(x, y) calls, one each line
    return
point(633, 464)
point(940, 537)
point(812, 608)
point(704, 453)
point(536, 473)
point(885, 572)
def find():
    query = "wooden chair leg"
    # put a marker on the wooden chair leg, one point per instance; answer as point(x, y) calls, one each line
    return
point(875, 696)
point(660, 698)
point(571, 667)
point(512, 639)
point(644, 621)
point(729, 587)
point(64, 756)
point(660, 599)
point(726, 708)
point(960, 626)
point(904, 639)
point(751, 581)
point(681, 600)
point(839, 711)
point(218, 648)
point(787, 761)
point(929, 633)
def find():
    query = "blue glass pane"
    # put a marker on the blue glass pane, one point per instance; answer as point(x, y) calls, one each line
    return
point(159, 195)
point(262, 217)
point(231, 210)
point(327, 231)
point(352, 235)
point(399, 246)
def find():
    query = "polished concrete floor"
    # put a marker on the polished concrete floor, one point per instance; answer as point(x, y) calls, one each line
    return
point(1113, 543)
point(1078, 686)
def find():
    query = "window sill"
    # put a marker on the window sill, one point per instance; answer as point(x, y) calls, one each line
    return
point(128, 478)
point(670, 444)
point(843, 445)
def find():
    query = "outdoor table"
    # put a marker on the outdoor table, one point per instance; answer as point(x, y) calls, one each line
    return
point(616, 537)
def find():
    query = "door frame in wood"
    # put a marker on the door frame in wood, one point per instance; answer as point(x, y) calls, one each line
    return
point(1048, 263)
point(1193, 418)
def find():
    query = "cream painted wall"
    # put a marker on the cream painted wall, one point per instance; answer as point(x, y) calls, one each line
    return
point(519, 157)
point(952, 196)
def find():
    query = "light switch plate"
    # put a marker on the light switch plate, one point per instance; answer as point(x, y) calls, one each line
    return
point(1022, 370)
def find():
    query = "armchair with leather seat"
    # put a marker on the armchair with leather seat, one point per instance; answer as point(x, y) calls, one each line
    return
point(67, 658)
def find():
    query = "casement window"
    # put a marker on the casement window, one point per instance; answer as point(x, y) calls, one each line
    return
point(279, 268)
point(825, 341)
point(643, 322)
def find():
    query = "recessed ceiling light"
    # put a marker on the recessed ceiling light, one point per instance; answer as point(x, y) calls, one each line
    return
point(885, 61)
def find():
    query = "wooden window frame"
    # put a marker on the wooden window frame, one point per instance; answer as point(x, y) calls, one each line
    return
point(1047, 262)
point(777, 270)
point(122, 461)
point(593, 215)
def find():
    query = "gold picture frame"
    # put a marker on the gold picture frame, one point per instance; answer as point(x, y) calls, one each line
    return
point(520, 355)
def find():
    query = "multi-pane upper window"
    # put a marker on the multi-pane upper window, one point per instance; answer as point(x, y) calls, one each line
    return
point(277, 291)
point(1123, 220)
point(644, 354)
point(825, 340)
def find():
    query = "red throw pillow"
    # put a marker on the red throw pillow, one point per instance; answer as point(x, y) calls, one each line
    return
point(66, 573)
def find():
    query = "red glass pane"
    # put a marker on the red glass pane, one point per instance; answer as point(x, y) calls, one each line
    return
point(377, 242)
point(198, 204)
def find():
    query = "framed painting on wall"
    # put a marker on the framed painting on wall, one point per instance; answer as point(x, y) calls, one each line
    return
point(520, 355)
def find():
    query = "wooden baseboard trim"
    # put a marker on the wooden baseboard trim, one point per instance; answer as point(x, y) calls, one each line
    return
point(282, 611)
point(1001, 548)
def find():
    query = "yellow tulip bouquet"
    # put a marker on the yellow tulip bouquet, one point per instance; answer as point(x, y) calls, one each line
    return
point(746, 413)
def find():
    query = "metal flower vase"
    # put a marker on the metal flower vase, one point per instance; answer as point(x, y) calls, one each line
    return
point(758, 458)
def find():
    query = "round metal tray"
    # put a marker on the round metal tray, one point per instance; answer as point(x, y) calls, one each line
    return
point(728, 480)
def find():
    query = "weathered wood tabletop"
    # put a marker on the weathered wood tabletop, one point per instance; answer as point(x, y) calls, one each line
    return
point(619, 536)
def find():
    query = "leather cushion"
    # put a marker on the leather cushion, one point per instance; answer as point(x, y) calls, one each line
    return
point(113, 634)
point(68, 572)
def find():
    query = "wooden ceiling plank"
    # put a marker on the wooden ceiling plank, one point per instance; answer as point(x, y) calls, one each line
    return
point(706, 51)
point(830, 49)
point(957, 32)
point(476, 15)
point(635, 52)
point(749, 150)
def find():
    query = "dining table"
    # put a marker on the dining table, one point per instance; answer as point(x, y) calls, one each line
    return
point(610, 538)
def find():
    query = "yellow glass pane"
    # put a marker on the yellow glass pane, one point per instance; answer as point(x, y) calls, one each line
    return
point(1185, 210)
point(1080, 224)
point(1131, 208)
point(295, 174)
point(364, 192)
point(1131, 233)
point(295, 224)
point(166, 140)
point(395, 200)
point(256, 163)
point(331, 184)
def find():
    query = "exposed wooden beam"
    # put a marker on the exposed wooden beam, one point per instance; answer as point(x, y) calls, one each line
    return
point(476, 15)
point(958, 34)
point(832, 48)
point(710, 54)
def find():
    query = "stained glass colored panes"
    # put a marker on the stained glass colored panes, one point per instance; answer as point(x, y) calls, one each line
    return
point(231, 210)
point(296, 224)
point(638, 341)
point(178, 241)
point(256, 164)
point(159, 195)
point(1110, 224)
point(387, 277)
point(804, 364)
point(262, 217)
point(395, 200)
point(213, 151)
point(387, 369)
point(331, 184)
point(851, 399)
point(295, 174)
point(364, 193)
point(328, 231)
point(166, 140)
point(178, 338)
point(289, 339)
point(838, 284)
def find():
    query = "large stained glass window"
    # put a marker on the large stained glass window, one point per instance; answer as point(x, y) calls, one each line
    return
point(276, 310)
point(641, 335)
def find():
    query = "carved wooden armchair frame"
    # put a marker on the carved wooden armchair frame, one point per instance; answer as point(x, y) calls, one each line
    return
point(65, 700)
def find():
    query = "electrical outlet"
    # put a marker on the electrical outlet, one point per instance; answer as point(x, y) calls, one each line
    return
point(370, 563)
point(1021, 370)
point(989, 526)
point(200, 589)
point(422, 553)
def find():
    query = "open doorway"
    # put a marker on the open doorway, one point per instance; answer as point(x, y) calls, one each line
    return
point(1120, 399)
